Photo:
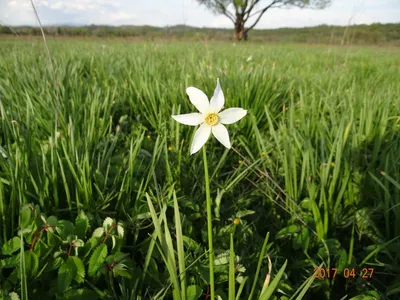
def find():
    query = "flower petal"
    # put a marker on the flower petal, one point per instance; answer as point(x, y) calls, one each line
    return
point(231, 115)
point(192, 119)
point(200, 137)
point(221, 134)
point(198, 98)
point(217, 101)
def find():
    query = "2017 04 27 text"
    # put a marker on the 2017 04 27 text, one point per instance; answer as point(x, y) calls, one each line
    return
point(322, 273)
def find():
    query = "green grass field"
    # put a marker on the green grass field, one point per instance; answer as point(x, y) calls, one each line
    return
point(313, 176)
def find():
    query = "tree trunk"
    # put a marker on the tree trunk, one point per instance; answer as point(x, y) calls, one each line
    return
point(239, 28)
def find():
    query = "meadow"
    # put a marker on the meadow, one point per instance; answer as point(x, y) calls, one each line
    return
point(101, 199)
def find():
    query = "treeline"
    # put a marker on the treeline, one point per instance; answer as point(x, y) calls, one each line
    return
point(375, 34)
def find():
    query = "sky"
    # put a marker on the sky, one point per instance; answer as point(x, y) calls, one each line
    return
point(189, 12)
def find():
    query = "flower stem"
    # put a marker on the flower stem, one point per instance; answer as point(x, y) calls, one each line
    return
point(209, 224)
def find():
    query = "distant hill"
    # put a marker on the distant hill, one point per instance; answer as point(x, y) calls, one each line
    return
point(374, 34)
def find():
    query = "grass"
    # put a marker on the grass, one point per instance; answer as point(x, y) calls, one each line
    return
point(315, 163)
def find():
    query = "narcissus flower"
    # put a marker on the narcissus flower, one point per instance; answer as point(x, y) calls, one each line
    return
point(210, 118)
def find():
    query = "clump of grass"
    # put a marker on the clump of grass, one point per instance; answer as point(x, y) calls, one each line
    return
point(319, 168)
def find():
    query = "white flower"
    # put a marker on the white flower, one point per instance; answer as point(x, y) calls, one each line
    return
point(210, 117)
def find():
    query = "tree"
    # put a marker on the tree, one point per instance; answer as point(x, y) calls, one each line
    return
point(241, 11)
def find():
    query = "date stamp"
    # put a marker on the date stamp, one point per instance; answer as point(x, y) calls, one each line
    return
point(322, 273)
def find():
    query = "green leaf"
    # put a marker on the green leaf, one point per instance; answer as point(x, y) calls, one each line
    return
point(31, 263)
point(98, 232)
point(81, 225)
point(204, 273)
point(41, 249)
point(342, 261)
point(222, 259)
point(121, 270)
point(193, 292)
point(10, 262)
point(11, 246)
point(78, 243)
point(65, 228)
point(13, 296)
point(190, 243)
point(89, 246)
point(333, 246)
point(287, 231)
point(26, 213)
point(267, 293)
point(120, 256)
point(81, 294)
point(304, 237)
point(53, 239)
point(52, 221)
point(120, 230)
point(364, 297)
point(66, 273)
point(97, 258)
point(80, 268)
point(244, 213)
point(108, 222)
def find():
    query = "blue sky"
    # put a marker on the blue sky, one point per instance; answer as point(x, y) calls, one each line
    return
point(189, 12)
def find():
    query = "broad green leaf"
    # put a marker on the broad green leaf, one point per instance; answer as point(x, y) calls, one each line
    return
point(98, 232)
point(97, 259)
point(31, 263)
point(78, 243)
point(120, 230)
point(66, 273)
point(65, 228)
point(81, 225)
point(71, 238)
point(120, 256)
point(80, 268)
point(121, 270)
point(26, 213)
point(222, 259)
point(190, 243)
point(13, 296)
point(244, 213)
point(10, 262)
point(41, 249)
point(53, 239)
point(89, 246)
point(108, 222)
point(11, 246)
point(52, 221)
point(364, 297)
point(287, 231)
point(193, 292)
point(333, 246)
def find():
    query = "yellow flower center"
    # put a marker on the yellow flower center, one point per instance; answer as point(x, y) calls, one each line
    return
point(236, 221)
point(212, 119)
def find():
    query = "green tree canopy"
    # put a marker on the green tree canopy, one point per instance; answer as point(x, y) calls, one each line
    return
point(241, 12)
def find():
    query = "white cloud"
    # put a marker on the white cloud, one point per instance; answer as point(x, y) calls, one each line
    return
point(189, 12)
point(119, 16)
point(22, 4)
point(79, 5)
